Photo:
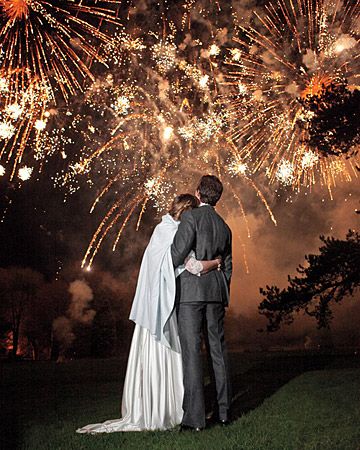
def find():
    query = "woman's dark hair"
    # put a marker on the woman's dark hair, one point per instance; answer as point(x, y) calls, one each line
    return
point(210, 189)
point(181, 203)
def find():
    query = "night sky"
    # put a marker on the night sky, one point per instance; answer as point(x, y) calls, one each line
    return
point(44, 227)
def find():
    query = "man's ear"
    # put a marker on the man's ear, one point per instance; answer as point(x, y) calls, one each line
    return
point(197, 195)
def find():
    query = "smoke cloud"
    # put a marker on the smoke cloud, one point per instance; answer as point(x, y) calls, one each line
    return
point(272, 253)
point(79, 312)
point(62, 328)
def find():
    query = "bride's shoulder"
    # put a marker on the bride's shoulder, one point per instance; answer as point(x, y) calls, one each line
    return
point(166, 225)
point(167, 219)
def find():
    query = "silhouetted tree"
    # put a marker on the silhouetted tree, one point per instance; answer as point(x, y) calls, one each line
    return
point(51, 302)
point(18, 290)
point(103, 332)
point(357, 210)
point(5, 327)
point(115, 296)
point(335, 127)
point(328, 278)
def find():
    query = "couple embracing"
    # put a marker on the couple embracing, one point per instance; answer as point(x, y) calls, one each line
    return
point(183, 286)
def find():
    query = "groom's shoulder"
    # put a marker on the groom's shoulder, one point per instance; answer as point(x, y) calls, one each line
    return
point(222, 220)
point(200, 211)
point(192, 215)
point(187, 216)
point(207, 211)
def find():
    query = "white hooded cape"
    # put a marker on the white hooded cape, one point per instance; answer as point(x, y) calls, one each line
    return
point(155, 292)
point(153, 388)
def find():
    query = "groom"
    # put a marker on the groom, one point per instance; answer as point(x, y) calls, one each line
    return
point(202, 299)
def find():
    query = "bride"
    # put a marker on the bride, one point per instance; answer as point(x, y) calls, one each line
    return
point(153, 388)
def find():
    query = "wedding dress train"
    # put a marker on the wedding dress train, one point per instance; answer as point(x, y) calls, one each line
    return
point(144, 405)
point(153, 389)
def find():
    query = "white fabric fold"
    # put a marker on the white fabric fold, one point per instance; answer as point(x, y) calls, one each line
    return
point(153, 388)
point(155, 291)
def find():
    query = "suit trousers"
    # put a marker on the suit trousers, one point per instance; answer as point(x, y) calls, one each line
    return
point(191, 317)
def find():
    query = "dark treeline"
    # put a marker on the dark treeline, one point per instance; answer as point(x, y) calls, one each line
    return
point(327, 279)
point(86, 316)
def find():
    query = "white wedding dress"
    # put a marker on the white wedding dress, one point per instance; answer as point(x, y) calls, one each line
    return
point(153, 389)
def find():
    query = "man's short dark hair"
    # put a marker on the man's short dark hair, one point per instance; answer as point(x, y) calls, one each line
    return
point(210, 189)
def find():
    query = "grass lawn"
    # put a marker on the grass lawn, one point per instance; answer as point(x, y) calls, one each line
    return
point(43, 403)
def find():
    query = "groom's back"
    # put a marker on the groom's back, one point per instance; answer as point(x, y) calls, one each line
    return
point(207, 234)
point(212, 233)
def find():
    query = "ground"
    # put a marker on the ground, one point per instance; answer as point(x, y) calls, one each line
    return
point(281, 402)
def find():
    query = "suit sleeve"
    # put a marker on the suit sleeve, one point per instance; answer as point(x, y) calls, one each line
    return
point(184, 239)
point(227, 264)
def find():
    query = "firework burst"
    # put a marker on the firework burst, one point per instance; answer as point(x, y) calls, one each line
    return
point(23, 117)
point(145, 131)
point(284, 74)
point(156, 144)
point(55, 42)
point(47, 50)
point(15, 9)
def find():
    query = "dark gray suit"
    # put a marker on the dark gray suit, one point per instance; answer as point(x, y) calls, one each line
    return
point(203, 298)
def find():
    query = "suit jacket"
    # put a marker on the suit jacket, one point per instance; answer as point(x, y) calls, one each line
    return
point(206, 233)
